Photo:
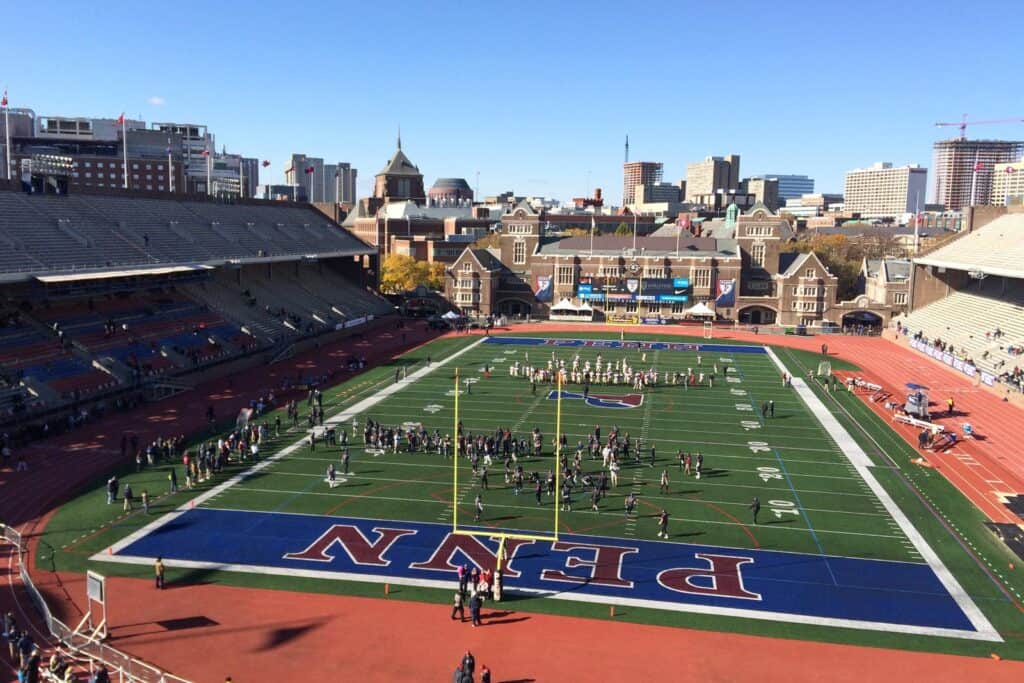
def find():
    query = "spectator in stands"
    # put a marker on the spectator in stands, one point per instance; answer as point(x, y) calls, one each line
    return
point(29, 671)
point(101, 675)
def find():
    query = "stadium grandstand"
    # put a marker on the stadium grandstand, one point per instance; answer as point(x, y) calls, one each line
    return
point(967, 304)
point(106, 295)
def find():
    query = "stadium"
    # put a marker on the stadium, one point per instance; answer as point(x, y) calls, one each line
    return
point(313, 477)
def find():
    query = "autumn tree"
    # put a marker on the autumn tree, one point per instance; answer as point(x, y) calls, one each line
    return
point(624, 229)
point(400, 273)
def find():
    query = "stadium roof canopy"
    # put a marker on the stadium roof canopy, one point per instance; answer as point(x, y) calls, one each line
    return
point(996, 249)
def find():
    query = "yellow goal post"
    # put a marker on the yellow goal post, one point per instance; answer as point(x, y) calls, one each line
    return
point(503, 535)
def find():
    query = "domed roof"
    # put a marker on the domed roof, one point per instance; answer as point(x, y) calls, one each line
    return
point(450, 184)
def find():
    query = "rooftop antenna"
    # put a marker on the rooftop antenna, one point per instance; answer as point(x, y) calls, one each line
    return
point(627, 149)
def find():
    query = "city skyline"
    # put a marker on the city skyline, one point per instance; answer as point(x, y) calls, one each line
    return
point(268, 104)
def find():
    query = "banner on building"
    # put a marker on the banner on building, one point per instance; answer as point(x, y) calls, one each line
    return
point(726, 293)
point(544, 290)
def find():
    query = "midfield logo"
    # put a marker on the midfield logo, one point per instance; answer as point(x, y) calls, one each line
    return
point(601, 400)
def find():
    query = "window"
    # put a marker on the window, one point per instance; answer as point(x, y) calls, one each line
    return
point(759, 231)
point(113, 176)
point(611, 306)
point(809, 272)
point(467, 267)
point(159, 167)
point(519, 253)
point(135, 167)
point(565, 275)
point(149, 167)
point(679, 307)
point(88, 164)
point(757, 254)
point(795, 290)
point(899, 298)
point(135, 176)
point(653, 271)
point(149, 176)
point(99, 164)
point(654, 308)
point(466, 283)
point(611, 271)
point(149, 187)
point(702, 278)
point(88, 174)
point(631, 307)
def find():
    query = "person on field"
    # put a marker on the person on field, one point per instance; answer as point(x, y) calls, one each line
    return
point(755, 507)
point(475, 603)
point(664, 481)
point(158, 572)
point(663, 524)
point(479, 503)
point(459, 606)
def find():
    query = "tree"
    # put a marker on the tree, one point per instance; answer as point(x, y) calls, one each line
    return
point(490, 240)
point(841, 256)
point(400, 273)
point(577, 232)
point(624, 229)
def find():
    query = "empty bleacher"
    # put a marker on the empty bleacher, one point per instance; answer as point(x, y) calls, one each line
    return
point(40, 233)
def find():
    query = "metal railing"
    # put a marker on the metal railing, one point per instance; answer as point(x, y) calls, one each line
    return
point(122, 667)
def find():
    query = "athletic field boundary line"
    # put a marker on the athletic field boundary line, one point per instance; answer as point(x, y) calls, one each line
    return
point(338, 418)
point(862, 463)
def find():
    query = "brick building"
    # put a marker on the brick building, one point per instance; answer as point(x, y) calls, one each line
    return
point(742, 270)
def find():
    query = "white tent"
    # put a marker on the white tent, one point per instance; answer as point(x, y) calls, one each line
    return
point(451, 315)
point(565, 305)
point(701, 310)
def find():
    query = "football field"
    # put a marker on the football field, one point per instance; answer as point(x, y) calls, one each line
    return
point(829, 547)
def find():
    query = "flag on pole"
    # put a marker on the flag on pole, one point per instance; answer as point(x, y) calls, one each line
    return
point(309, 169)
point(3, 102)
point(206, 152)
point(265, 163)
point(120, 119)
point(978, 166)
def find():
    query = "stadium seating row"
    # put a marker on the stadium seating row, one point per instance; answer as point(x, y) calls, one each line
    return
point(51, 232)
point(969, 319)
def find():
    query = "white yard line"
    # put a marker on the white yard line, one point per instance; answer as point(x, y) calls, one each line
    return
point(339, 418)
point(862, 463)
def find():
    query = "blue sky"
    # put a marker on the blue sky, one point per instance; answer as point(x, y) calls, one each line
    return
point(535, 96)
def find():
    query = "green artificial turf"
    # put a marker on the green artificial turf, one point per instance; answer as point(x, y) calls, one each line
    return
point(814, 501)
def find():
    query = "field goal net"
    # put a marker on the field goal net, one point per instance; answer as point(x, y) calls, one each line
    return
point(503, 536)
point(825, 369)
point(709, 327)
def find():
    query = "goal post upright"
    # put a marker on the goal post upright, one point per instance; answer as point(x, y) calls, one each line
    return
point(455, 459)
point(558, 454)
point(503, 536)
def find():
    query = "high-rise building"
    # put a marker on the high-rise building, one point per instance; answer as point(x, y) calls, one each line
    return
point(711, 175)
point(1008, 184)
point(791, 186)
point(765, 190)
point(638, 173)
point(344, 184)
point(884, 190)
point(964, 170)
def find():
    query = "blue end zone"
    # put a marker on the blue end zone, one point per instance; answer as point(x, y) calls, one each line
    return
point(882, 595)
point(643, 345)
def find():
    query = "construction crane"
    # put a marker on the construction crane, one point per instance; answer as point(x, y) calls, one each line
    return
point(963, 123)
